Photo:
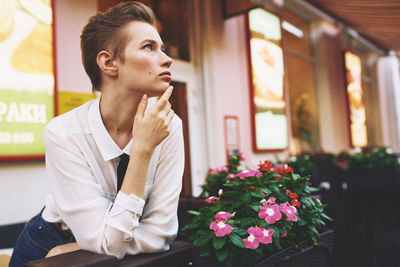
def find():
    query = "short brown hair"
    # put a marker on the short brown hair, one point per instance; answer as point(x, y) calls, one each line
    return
point(104, 31)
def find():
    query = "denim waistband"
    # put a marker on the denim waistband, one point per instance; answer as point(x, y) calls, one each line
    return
point(64, 234)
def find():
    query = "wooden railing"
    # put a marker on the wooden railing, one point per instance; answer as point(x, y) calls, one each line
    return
point(180, 254)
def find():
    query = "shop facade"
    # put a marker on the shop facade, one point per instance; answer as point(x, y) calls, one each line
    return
point(212, 77)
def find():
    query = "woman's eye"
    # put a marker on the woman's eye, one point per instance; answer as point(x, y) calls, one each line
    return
point(148, 47)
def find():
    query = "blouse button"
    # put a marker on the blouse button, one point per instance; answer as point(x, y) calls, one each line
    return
point(40, 227)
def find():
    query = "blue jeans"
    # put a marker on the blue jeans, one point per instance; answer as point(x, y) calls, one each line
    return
point(36, 240)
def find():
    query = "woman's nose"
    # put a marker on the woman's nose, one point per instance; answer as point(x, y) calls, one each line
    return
point(167, 61)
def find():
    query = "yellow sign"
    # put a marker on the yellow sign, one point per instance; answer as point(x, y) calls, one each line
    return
point(70, 100)
point(26, 76)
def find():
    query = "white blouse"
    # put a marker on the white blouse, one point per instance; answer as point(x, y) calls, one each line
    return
point(81, 162)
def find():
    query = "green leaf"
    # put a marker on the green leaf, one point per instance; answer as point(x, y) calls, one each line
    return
point(246, 197)
point(257, 193)
point(190, 226)
point(296, 177)
point(219, 242)
point(275, 188)
point(266, 191)
point(237, 240)
point(221, 254)
point(301, 222)
point(202, 240)
point(314, 230)
point(240, 231)
point(312, 189)
point(323, 215)
point(255, 207)
point(248, 221)
point(276, 233)
point(193, 212)
point(204, 252)
point(276, 242)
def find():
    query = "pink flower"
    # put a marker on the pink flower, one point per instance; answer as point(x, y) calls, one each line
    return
point(271, 200)
point(222, 215)
point(221, 169)
point(221, 228)
point(231, 176)
point(284, 235)
point(251, 241)
point(289, 211)
point(270, 213)
point(241, 155)
point(249, 173)
point(264, 235)
point(210, 199)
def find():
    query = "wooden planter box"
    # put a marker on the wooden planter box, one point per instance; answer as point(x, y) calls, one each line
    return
point(306, 254)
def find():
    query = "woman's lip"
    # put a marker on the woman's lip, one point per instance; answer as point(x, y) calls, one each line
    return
point(165, 73)
point(166, 76)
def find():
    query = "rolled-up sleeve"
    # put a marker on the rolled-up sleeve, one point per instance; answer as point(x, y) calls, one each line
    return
point(158, 225)
point(98, 224)
point(127, 224)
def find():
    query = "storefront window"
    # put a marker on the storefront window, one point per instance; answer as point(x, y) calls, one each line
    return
point(303, 108)
point(300, 83)
point(173, 28)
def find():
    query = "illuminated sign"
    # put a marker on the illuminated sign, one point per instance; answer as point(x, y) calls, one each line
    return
point(358, 126)
point(267, 73)
point(26, 76)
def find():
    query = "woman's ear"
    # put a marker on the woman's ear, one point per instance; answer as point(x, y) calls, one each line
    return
point(106, 63)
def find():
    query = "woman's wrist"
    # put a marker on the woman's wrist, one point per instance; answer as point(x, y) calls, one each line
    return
point(141, 149)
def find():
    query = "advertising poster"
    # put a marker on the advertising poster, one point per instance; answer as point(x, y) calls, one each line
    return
point(26, 76)
point(267, 73)
point(358, 126)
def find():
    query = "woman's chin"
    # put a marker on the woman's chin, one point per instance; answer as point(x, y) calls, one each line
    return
point(156, 92)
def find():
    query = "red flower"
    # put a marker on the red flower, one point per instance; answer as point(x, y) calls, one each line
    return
point(267, 166)
point(293, 195)
point(282, 169)
point(296, 202)
point(253, 188)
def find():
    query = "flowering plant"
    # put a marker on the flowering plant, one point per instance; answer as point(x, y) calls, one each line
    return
point(255, 213)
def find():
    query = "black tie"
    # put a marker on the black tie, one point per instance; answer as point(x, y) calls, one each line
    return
point(121, 169)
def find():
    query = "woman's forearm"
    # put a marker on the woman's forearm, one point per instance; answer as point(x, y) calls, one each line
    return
point(136, 173)
point(61, 249)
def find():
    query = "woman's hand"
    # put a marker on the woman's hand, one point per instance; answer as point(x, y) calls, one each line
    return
point(63, 249)
point(151, 128)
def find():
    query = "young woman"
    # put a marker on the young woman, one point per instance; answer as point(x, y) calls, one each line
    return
point(87, 147)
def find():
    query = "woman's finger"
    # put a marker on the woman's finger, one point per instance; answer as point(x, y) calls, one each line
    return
point(141, 107)
point(163, 100)
point(170, 116)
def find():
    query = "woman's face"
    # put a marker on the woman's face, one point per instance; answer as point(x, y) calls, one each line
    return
point(145, 68)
